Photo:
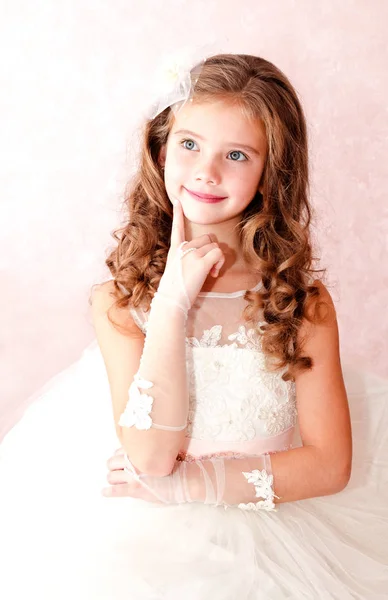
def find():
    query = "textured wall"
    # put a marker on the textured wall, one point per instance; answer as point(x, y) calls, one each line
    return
point(73, 78)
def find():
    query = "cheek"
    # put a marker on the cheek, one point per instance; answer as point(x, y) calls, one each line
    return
point(252, 182)
point(243, 189)
point(177, 173)
point(243, 184)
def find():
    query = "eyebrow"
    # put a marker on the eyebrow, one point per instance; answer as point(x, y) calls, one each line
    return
point(244, 146)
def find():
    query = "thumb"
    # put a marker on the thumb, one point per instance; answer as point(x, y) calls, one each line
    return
point(178, 225)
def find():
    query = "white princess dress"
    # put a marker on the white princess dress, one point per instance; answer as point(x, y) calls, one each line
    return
point(61, 539)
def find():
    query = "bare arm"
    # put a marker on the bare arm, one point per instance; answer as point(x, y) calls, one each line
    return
point(323, 412)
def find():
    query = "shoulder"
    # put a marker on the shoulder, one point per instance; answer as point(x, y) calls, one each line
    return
point(322, 315)
point(102, 296)
point(103, 301)
point(318, 334)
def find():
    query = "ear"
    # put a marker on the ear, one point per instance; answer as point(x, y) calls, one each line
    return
point(162, 156)
point(261, 185)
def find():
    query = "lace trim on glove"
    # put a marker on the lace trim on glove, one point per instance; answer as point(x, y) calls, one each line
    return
point(263, 483)
point(170, 301)
point(139, 406)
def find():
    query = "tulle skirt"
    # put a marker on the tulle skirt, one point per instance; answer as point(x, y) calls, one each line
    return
point(60, 538)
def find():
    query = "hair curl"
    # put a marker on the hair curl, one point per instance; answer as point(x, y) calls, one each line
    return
point(274, 229)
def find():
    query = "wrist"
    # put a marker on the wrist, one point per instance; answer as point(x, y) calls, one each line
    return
point(168, 305)
point(194, 484)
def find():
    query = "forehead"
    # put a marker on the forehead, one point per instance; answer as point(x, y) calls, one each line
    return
point(221, 120)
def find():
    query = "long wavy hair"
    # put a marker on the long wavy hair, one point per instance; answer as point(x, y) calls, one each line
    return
point(274, 230)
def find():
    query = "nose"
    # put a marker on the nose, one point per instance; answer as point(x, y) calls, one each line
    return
point(208, 171)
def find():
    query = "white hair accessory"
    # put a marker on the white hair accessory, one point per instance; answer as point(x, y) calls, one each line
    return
point(175, 78)
point(174, 82)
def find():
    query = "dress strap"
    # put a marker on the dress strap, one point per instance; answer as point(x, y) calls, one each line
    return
point(310, 277)
point(122, 288)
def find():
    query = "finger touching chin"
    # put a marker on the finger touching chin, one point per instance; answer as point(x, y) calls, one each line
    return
point(119, 451)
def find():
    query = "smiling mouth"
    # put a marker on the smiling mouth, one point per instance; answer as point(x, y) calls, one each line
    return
point(207, 198)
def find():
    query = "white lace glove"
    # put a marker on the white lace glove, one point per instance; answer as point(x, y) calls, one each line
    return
point(183, 280)
point(160, 385)
point(243, 482)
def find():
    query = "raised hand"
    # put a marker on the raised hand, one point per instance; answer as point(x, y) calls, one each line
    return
point(188, 263)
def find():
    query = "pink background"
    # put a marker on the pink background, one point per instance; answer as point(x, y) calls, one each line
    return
point(75, 76)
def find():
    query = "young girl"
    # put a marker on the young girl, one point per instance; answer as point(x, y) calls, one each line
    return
point(218, 351)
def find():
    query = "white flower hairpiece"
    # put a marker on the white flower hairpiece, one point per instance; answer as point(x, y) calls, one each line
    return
point(171, 71)
point(174, 79)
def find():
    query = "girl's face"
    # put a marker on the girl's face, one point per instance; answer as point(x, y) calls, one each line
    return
point(213, 149)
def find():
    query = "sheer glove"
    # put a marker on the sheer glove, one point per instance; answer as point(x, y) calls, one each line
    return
point(169, 399)
point(245, 482)
point(183, 280)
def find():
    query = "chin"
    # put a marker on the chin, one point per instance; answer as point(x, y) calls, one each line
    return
point(198, 214)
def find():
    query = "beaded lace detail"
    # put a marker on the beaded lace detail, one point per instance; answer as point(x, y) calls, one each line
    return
point(187, 457)
point(212, 336)
point(232, 396)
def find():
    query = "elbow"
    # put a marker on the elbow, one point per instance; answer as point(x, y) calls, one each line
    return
point(151, 452)
point(332, 476)
point(156, 470)
point(342, 478)
point(158, 464)
point(147, 465)
point(334, 471)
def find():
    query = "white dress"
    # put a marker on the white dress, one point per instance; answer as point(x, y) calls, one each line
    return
point(61, 539)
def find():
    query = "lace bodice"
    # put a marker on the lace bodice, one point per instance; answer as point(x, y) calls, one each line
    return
point(236, 405)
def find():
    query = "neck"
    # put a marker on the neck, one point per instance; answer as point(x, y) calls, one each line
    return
point(226, 236)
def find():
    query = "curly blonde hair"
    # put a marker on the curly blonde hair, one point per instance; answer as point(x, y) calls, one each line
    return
point(274, 229)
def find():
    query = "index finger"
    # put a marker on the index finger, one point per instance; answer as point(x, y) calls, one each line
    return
point(178, 225)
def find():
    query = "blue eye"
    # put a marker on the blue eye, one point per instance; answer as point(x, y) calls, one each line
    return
point(234, 152)
point(238, 152)
point(183, 142)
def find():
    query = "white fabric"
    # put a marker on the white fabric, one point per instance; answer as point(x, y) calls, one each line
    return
point(60, 538)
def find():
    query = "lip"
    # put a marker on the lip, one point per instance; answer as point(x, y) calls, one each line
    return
point(208, 198)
